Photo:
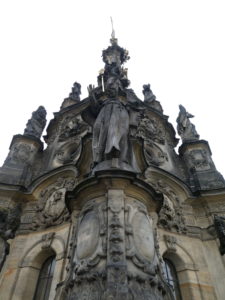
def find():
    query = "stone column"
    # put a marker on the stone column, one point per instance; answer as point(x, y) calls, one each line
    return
point(113, 250)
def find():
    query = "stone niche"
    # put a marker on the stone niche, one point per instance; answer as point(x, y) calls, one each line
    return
point(114, 253)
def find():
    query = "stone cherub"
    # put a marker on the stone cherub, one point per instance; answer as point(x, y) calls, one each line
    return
point(36, 123)
point(185, 128)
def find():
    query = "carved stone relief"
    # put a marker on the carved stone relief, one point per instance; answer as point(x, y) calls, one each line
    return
point(88, 253)
point(69, 152)
point(51, 209)
point(47, 240)
point(151, 129)
point(20, 153)
point(9, 222)
point(171, 242)
point(171, 214)
point(199, 159)
point(154, 155)
point(72, 126)
point(114, 253)
point(153, 133)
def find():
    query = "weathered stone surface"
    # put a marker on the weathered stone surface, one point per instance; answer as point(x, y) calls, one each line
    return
point(37, 123)
point(110, 198)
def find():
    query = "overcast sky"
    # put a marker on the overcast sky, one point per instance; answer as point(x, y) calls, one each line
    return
point(177, 46)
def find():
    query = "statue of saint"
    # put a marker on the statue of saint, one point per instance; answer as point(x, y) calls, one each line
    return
point(185, 128)
point(111, 127)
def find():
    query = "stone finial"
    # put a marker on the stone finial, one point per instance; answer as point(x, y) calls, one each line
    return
point(36, 123)
point(185, 128)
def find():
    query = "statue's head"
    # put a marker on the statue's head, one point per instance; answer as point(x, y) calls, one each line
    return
point(113, 86)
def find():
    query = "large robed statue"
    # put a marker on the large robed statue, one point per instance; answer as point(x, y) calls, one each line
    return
point(111, 127)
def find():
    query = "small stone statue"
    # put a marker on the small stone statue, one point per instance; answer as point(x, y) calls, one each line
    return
point(219, 223)
point(150, 98)
point(185, 128)
point(76, 91)
point(37, 123)
point(148, 94)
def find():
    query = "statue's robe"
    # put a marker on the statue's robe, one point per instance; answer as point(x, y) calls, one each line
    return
point(110, 132)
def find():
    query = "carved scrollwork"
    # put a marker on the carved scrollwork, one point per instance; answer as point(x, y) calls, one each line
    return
point(89, 243)
point(171, 242)
point(151, 130)
point(140, 247)
point(72, 126)
point(199, 159)
point(171, 214)
point(153, 154)
point(51, 208)
point(69, 152)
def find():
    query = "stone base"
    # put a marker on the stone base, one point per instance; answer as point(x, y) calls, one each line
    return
point(114, 163)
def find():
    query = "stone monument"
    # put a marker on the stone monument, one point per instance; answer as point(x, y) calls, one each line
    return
point(109, 209)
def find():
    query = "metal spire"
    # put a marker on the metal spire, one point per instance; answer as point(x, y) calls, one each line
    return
point(113, 39)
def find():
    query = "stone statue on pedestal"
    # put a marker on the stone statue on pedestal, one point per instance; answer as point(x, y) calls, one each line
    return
point(185, 128)
point(76, 91)
point(111, 127)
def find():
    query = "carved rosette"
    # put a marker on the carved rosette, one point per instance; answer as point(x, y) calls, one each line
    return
point(51, 208)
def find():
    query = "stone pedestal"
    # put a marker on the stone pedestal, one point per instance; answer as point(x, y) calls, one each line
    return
point(201, 169)
point(17, 166)
point(113, 249)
